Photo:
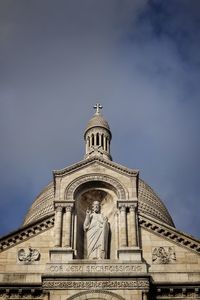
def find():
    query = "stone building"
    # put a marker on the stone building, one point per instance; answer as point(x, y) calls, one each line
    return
point(98, 231)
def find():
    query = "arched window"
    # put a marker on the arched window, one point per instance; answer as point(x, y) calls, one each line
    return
point(97, 142)
point(106, 143)
point(92, 139)
point(102, 137)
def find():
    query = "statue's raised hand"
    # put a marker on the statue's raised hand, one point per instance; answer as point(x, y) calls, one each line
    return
point(105, 219)
point(88, 212)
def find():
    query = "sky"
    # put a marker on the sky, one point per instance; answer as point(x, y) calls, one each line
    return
point(140, 59)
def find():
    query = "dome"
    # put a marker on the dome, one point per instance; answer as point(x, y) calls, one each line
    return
point(149, 204)
point(97, 121)
point(42, 206)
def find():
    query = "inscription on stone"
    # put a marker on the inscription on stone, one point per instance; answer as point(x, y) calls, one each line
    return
point(95, 268)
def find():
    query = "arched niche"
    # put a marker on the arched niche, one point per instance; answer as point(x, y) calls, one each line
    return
point(84, 196)
point(113, 184)
point(96, 294)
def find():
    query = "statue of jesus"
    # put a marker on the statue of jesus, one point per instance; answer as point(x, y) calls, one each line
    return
point(96, 227)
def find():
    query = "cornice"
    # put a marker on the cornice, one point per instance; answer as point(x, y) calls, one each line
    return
point(169, 290)
point(104, 162)
point(170, 233)
point(26, 232)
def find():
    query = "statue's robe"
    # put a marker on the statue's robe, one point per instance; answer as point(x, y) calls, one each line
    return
point(96, 236)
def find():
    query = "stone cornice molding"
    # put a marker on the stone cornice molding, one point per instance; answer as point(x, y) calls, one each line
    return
point(86, 162)
point(26, 232)
point(120, 189)
point(170, 233)
point(63, 204)
point(185, 290)
point(127, 203)
point(25, 291)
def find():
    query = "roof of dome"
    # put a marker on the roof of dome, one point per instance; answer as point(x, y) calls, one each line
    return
point(149, 204)
point(97, 121)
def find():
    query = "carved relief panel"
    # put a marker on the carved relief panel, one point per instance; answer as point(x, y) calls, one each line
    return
point(29, 255)
point(163, 255)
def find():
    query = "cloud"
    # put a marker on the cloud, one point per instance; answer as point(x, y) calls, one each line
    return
point(139, 58)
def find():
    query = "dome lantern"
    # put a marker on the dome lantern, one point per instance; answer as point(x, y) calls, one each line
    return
point(97, 136)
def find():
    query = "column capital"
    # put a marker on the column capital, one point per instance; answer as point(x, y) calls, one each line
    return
point(132, 207)
point(127, 203)
point(122, 207)
point(63, 204)
point(59, 208)
point(68, 207)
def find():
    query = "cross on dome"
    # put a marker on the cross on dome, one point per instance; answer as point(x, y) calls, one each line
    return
point(97, 107)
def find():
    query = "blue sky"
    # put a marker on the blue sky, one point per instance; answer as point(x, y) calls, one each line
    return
point(140, 59)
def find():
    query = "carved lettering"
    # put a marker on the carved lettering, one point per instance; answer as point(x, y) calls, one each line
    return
point(95, 268)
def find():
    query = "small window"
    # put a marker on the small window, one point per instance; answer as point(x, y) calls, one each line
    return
point(97, 139)
point(92, 139)
point(102, 136)
point(106, 143)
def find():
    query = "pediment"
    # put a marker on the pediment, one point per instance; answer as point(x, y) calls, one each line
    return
point(96, 161)
point(26, 232)
point(167, 232)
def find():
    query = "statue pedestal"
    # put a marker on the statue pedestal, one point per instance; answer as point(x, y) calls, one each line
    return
point(130, 253)
point(61, 254)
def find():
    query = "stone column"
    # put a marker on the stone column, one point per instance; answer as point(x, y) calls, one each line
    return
point(132, 229)
point(58, 225)
point(117, 230)
point(100, 144)
point(144, 295)
point(87, 145)
point(68, 222)
point(95, 139)
point(104, 143)
point(108, 145)
point(123, 226)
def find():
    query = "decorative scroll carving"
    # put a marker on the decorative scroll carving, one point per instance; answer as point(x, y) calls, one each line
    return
point(163, 255)
point(97, 228)
point(96, 284)
point(28, 255)
point(74, 185)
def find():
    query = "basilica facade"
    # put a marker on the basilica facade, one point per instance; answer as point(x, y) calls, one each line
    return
point(98, 231)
